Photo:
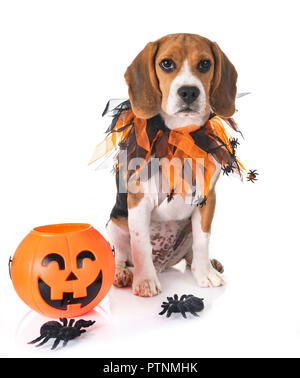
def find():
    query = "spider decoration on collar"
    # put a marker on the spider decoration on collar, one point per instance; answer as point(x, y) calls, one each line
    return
point(227, 169)
point(61, 332)
point(201, 201)
point(251, 175)
point(234, 143)
point(171, 195)
point(186, 303)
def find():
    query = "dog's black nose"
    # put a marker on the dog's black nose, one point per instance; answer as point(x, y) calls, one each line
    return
point(188, 94)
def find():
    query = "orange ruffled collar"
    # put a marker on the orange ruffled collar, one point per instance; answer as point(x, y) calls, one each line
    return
point(202, 147)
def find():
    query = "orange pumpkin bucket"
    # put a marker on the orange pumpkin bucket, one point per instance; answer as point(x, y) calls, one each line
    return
point(63, 270)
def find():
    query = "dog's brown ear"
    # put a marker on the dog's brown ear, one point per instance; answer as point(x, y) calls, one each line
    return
point(223, 89)
point(143, 87)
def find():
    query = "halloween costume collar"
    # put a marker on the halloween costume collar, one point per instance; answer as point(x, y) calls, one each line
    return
point(202, 147)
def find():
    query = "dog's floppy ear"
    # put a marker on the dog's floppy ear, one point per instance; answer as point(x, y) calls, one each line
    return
point(143, 87)
point(223, 89)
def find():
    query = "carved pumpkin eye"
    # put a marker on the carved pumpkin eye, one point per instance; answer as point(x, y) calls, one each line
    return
point(84, 255)
point(55, 257)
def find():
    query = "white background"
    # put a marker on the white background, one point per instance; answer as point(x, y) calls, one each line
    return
point(60, 63)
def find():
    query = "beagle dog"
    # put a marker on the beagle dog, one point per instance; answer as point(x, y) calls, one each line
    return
point(183, 78)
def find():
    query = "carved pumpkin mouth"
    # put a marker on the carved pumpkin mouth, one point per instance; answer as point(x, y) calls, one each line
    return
point(68, 297)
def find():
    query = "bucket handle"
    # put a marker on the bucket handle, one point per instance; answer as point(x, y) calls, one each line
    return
point(9, 266)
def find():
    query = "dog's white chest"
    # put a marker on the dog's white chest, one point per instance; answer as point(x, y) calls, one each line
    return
point(174, 210)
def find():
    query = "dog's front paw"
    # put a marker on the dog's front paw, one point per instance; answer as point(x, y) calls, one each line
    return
point(123, 277)
point(208, 278)
point(146, 286)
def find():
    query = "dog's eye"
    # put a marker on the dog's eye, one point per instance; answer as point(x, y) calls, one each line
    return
point(204, 65)
point(167, 65)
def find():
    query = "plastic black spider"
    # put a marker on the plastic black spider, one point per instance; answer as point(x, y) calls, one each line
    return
point(186, 303)
point(171, 195)
point(227, 169)
point(251, 175)
point(234, 143)
point(62, 331)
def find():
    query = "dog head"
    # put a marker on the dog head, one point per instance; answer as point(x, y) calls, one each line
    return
point(182, 77)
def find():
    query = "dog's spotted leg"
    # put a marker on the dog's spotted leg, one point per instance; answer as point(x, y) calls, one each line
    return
point(204, 273)
point(119, 238)
point(145, 281)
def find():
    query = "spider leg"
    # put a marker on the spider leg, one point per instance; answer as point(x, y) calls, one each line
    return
point(65, 343)
point(183, 297)
point(171, 300)
point(169, 313)
point(71, 322)
point(37, 339)
point(44, 341)
point(64, 321)
point(84, 323)
point(176, 297)
point(191, 310)
point(165, 305)
point(56, 342)
point(164, 310)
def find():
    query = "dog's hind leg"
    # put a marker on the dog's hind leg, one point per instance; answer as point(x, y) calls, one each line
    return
point(119, 239)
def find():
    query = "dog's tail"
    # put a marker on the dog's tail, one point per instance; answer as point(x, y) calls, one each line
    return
point(217, 265)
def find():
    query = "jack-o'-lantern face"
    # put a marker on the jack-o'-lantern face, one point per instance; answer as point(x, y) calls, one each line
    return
point(63, 270)
point(69, 287)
